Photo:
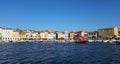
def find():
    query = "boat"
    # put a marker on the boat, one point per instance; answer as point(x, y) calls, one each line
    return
point(10, 41)
point(91, 40)
point(81, 40)
point(112, 41)
point(105, 41)
point(72, 40)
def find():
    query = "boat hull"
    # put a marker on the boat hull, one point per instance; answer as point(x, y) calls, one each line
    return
point(81, 41)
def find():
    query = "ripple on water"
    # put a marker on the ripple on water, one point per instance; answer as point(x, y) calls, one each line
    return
point(59, 53)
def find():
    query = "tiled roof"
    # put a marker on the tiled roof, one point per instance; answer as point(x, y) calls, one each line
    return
point(93, 32)
point(106, 28)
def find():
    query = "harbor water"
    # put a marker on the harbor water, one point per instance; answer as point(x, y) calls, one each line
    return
point(59, 53)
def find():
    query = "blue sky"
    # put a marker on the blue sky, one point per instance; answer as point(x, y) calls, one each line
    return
point(60, 14)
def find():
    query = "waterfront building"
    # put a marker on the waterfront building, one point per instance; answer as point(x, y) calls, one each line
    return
point(81, 34)
point(119, 31)
point(71, 35)
point(39, 37)
point(16, 35)
point(66, 33)
point(51, 35)
point(34, 35)
point(78, 34)
point(28, 35)
point(7, 34)
point(0, 33)
point(44, 35)
point(60, 35)
point(85, 34)
point(107, 33)
point(93, 35)
point(22, 34)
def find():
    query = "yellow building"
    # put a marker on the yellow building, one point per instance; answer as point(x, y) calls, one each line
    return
point(44, 35)
point(16, 35)
point(106, 33)
point(119, 31)
point(71, 35)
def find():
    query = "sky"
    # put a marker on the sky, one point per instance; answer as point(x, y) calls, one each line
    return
point(60, 15)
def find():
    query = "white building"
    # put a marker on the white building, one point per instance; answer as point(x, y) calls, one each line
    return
point(28, 34)
point(93, 35)
point(51, 36)
point(60, 35)
point(66, 33)
point(0, 33)
point(7, 34)
point(34, 34)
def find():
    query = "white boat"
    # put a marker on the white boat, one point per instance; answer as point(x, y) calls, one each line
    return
point(72, 40)
point(112, 41)
point(105, 41)
point(91, 41)
point(99, 40)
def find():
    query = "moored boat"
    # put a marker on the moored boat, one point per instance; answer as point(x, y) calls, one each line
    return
point(10, 41)
point(112, 41)
point(82, 40)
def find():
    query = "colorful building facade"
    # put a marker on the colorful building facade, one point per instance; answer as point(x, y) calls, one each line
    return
point(107, 33)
